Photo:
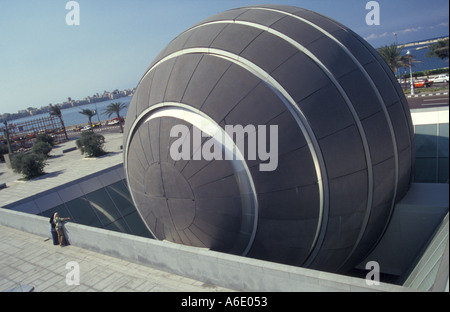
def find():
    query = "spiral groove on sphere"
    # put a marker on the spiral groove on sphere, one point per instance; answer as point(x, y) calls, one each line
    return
point(344, 139)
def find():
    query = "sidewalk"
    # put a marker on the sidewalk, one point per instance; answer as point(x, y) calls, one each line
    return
point(438, 93)
point(27, 259)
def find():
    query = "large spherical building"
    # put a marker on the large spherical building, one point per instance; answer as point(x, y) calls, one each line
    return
point(331, 108)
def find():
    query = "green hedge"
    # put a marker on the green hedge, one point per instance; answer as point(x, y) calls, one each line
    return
point(430, 72)
point(91, 144)
point(42, 148)
point(29, 165)
point(44, 137)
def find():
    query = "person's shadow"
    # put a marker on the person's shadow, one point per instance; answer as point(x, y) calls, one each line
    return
point(66, 234)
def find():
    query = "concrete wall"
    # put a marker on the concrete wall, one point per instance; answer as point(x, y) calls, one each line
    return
point(63, 193)
point(234, 272)
point(431, 128)
point(432, 272)
point(413, 225)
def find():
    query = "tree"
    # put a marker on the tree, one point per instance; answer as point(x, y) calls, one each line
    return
point(439, 49)
point(42, 148)
point(56, 111)
point(91, 144)
point(44, 137)
point(392, 56)
point(29, 165)
point(90, 113)
point(115, 108)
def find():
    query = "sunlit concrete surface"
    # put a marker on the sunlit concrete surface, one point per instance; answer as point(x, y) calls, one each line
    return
point(27, 259)
point(61, 168)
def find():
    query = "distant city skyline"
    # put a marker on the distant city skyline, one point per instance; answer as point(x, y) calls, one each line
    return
point(43, 60)
point(68, 103)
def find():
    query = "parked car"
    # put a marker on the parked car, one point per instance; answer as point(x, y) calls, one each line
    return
point(86, 128)
point(113, 122)
point(440, 78)
point(422, 83)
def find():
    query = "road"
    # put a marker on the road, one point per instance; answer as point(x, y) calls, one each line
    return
point(428, 101)
point(102, 130)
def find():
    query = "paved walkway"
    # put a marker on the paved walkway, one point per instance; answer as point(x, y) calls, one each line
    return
point(27, 259)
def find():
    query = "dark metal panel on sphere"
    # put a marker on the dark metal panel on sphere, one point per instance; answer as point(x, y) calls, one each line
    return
point(344, 145)
point(289, 26)
point(203, 36)
point(235, 38)
point(276, 52)
point(206, 76)
point(233, 87)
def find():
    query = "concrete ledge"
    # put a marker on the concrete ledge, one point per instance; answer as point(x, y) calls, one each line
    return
point(233, 272)
point(415, 220)
point(427, 94)
point(69, 150)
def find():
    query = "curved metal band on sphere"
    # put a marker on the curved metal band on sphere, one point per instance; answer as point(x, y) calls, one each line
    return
point(344, 139)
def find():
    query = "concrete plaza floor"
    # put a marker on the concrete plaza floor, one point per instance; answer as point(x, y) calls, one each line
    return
point(27, 259)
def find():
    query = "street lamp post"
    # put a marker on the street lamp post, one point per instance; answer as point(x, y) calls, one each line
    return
point(96, 111)
point(410, 74)
point(6, 132)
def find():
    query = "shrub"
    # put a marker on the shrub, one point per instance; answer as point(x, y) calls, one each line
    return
point(3, 151)
point(29, 165)
point(91, 144)
point(44, 137)
point(42, 148)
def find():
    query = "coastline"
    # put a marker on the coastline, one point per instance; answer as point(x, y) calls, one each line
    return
point(72, 116)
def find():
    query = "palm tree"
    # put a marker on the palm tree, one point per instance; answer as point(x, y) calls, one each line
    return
point(115, 108)
point(439, 49)
point(56, 111)
point(392, 56)
point(90, 113)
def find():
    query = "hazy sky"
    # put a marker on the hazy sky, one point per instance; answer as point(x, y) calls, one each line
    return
point(43, 60)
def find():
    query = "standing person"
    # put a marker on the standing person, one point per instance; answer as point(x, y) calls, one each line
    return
point(59, 228)
point(53, 230)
